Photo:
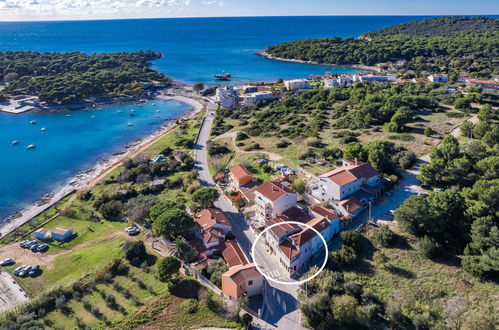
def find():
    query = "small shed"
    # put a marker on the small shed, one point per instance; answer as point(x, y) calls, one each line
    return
point(42, 234)
point(62, 233)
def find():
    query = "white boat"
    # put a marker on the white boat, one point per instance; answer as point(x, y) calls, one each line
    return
point(157, 110)
point(43, 129)
point(118, 111)
point(131, 114)
point(33, 122)
point(68, 115)
point(31, 146)
point(132, 110)
point(158, 116)
point(92, 116)
point(130, 124)
point(15, 142)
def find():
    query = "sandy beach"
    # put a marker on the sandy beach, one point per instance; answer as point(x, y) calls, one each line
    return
point(355, 66)
point(87, 179)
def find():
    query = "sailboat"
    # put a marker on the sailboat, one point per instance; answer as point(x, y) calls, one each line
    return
point(43, 129)
point(31, 146)
point(15, 142)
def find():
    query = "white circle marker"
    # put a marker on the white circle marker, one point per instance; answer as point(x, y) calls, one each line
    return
point(294, 223)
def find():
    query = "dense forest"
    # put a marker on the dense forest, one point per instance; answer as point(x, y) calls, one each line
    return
point(67, 78)
point(452, 44)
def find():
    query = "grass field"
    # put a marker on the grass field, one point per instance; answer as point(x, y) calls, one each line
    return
point(440, 289)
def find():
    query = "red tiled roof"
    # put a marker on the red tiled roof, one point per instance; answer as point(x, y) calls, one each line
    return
point(213, 235)
point(281, 229)
point(209, 217)
point(295, 214)
point(233, 254)
point(302, 237)
point(272, 190)
point(239, 172)
point(483, 81)
point(351, 204)
point(371, 190)
point(347, 174)
point(240, 274)
point(325, 212)
point(288, 249)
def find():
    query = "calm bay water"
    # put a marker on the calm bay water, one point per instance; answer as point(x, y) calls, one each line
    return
point(194, 50)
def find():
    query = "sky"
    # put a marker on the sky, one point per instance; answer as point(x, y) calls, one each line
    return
point(28, 10)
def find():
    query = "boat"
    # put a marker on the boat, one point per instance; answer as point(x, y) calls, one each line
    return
point(92, 116)
point(131, 114)
point(15, 142)
point(43, 129)
point(158, 116)
point(157, 110)
point(118, 111)
point(222, 76)
point(31, 146)
point(68, 115)
point(33, 122)
point(132, 110)
point(130, 124)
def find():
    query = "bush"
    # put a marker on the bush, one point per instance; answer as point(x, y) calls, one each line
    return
point(385, 236)
point(134, 252)
point(241, 136)
point(190, 306)
point(344, 257)
point(427, 247)
point(427, 132)
point(352, 239)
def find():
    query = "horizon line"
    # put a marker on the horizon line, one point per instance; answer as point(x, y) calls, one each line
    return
point(248, 16)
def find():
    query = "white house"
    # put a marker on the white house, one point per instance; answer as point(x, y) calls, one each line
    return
point(350, 207)
point(227, 96)
point(344, 181)
point(272, 199)
point(332, 216)
point(295, 84)
point(373, 77)
point(438, 78)
point(251, 98)
point(330, 83)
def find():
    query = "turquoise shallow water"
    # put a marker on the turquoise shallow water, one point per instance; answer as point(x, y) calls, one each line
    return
point(69, 145)
point(194, 49)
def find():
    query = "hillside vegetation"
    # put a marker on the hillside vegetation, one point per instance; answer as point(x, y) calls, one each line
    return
point(67, 78)
point(451, 44)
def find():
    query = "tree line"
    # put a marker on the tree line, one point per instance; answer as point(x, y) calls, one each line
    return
point(68, 78)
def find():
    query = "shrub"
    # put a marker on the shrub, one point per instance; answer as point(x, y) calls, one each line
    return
point(427, 247)
point(427, 132)
point(385, 236)
point(241, 136)
point(190, 306)
point(344, 257)
point(134, 252)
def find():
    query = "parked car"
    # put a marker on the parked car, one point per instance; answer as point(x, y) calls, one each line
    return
point(42, 248)
point(132, 231)
point(25, 271)
point(23, 243)
point(7, 262)
point(18, 270)
point(34, 270)
point(30, 244)
point(34, 247)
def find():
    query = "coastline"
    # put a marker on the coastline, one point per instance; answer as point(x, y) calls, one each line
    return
point(266, 55)
point(88, 178)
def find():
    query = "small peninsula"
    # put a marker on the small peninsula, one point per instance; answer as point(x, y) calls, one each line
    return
point(73, 78)
point(466, 45)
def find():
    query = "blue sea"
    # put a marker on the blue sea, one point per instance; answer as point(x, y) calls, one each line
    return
point(194, 49)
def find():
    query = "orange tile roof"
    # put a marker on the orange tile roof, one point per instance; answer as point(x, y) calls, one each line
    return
point(241, 273)
point(295, 214)
point(239, 172)
point(208, 217)
point(272, 190)
point(483, 81)
point(213, 235)
point(233, 254)
point(351, 204)
point(289, 249)
point(302, 237)
point(325, 212)
point(347, 174)
point(281, 229)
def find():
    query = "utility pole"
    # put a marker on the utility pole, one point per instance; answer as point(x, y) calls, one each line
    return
point(370, 210)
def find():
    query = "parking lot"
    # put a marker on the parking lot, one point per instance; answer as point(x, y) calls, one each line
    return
point(11, 294)
point(25, 256)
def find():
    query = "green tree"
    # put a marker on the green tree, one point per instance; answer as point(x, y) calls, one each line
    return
point(205, 197)
point(167, 268)
point(198, 87)
point(413, 215)
point(466, 128)
point(172, 223)
point(385, 236)
point(380, 258)
point(354, 150)
point(344, 257)
point(346, 311)
point(134, 252)
point(183, 250)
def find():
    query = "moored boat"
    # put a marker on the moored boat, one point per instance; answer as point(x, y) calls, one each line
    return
point(31, 146)
point(43, 129)
point(130, 124)
point(222, 76)
point(15, 142)
point(33, 122)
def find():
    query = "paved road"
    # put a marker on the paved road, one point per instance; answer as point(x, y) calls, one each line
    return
point(284, 312)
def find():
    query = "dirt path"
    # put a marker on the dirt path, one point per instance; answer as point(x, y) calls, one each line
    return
point(232, 136)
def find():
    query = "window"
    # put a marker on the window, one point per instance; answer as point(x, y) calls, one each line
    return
point(250, 282)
